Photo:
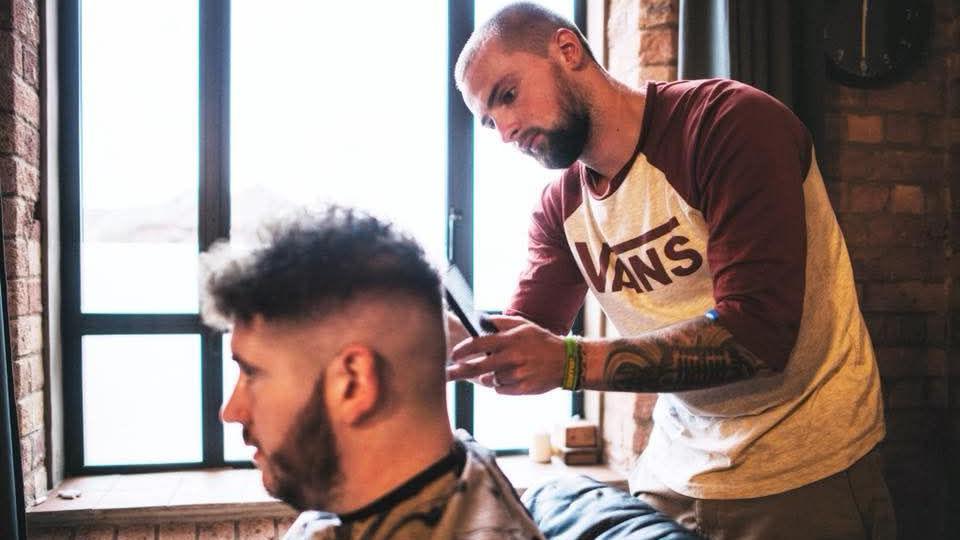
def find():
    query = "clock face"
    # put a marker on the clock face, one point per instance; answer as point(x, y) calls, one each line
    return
point(868, 43)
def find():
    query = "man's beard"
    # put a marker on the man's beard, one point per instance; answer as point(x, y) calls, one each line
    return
point(565, 142)
point(306, 467)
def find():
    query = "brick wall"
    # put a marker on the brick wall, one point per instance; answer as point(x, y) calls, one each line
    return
point(642, 40)
point(891, 166)
point(245, 529)
point(20, 186)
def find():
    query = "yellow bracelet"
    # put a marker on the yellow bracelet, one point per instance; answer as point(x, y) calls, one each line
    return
point(573, 364)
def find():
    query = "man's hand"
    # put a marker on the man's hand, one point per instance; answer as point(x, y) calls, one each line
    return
point(521, 358)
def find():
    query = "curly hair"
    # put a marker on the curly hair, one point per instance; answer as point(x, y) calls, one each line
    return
point(311, 264)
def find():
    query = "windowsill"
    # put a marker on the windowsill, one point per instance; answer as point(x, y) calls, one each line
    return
point(524, 473)
point(224, 494)
point(210, 495)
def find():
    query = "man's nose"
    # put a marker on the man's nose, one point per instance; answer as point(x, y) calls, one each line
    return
point(234, 410)
point(508, 128)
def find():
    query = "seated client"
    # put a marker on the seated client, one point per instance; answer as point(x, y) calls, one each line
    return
point(338, 330)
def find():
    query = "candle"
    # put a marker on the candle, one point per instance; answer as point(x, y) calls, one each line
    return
point(540, 449)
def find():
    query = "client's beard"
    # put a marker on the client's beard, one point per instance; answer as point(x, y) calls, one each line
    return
point(306, 467)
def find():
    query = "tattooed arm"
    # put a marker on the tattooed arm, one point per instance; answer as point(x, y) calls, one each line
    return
point(523, 358)
point(693, 354)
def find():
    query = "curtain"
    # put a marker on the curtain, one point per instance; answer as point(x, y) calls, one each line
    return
point(770, 44)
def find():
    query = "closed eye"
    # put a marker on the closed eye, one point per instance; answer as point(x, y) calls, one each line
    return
point(245, 368)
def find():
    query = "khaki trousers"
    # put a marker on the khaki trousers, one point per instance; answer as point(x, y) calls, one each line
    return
point(850, 504)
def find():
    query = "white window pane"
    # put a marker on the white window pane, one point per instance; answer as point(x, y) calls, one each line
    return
point(329, 112)
point(507, 187)
point(139, 161)
point(139, 277)
point(233, 447)
point(451, 410)
point(141, 399)
point(510, 421)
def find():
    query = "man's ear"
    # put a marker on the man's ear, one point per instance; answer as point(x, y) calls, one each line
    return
point(354, 387)
point(572, 53)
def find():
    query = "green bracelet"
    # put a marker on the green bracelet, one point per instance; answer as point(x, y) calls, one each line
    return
point(573, 364)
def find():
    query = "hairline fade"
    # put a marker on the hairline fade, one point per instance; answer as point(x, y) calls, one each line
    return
point(523, 26)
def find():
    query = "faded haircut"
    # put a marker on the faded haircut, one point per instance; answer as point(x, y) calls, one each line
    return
point(312, 264)
point(523, 26)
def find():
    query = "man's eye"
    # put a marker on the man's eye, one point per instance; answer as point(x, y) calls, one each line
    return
point(248, 371)
point(509, 96)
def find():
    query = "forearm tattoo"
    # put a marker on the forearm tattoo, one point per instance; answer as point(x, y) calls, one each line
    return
point(688, 356)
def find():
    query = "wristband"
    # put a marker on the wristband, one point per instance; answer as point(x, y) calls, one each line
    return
point(573, 364)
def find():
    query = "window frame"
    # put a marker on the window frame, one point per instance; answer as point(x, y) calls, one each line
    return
point(214, 223)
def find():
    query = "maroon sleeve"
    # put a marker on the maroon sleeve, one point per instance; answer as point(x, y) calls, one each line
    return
point(551, 288)
point(742, 163)
point(753, 155)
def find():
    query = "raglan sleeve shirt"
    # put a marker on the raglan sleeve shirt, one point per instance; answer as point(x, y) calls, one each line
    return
point(734, 154)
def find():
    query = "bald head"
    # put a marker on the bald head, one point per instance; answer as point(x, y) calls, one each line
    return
point(523, 26)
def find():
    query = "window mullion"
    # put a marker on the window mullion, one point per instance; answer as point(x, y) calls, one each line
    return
point(460, 181)
point(214, 203)
point(68, 30)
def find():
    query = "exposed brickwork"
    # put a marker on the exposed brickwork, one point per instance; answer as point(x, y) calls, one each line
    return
point(245, 529)
point(51, 533)
point(20, 187)
point(95, 532)
point(623, 39)
point(177, 531)
point(642, 38)
point(136, 532)
point(866, 128)
point(283, 525)
point(889, 152)
point(225, 530)
point(620, 430)
point(257, 529)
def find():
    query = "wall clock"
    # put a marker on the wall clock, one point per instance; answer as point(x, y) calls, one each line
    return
point(870, 43)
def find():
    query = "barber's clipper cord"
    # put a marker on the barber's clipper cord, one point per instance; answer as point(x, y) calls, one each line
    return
point(573, 364)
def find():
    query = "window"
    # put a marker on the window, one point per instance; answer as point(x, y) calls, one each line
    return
point(191, 123)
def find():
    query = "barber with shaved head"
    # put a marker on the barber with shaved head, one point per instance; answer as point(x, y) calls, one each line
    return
point(696, 214)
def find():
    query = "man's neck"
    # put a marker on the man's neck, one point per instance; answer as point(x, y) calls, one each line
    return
point(387, 459)
point(616, 121)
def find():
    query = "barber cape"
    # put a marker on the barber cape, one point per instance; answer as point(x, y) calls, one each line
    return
point(463, 496)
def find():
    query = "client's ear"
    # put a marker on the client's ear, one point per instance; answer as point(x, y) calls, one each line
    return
point(354, 388)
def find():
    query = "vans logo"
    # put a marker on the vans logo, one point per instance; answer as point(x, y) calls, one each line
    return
point(640, 273)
